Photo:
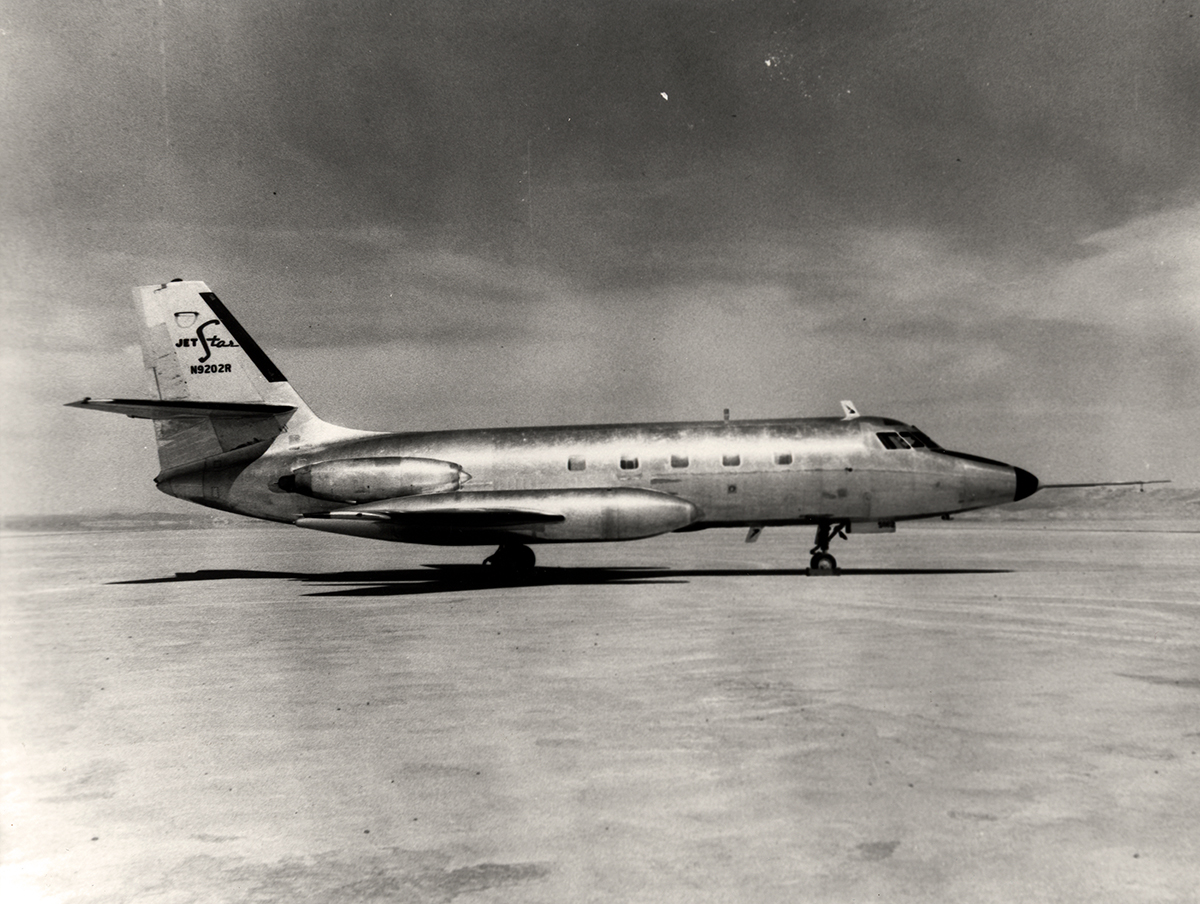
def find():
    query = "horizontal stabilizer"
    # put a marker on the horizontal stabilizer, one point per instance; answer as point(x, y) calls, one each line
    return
point(159, 410)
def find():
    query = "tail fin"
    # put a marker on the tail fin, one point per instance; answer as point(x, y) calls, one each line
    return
point(221, 400)
point(195, 350)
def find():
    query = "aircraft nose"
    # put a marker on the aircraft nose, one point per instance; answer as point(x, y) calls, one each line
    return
point(1027, 484)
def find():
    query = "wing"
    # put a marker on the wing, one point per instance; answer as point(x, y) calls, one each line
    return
point(466, 517)
point(458, 519)
point(457, 511)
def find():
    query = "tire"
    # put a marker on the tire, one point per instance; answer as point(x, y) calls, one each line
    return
point(823, 561)
point(513, 559)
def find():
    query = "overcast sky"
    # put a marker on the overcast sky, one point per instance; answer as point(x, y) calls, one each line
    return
point(982, 218)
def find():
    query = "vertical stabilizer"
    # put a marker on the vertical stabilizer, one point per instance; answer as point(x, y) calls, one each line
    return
point(195, 351)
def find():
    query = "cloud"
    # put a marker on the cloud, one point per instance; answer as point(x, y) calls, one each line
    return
point(1021, 124)
point(983, 218)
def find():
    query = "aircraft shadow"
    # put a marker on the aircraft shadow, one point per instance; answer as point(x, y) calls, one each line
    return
point(468, 578)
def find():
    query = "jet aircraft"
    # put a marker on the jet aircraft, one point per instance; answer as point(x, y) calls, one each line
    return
point(234, 435)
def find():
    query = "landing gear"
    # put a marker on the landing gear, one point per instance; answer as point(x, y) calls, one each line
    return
point(512, 558)
point(822, 562)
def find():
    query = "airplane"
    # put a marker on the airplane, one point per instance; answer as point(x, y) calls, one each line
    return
point(233, 434)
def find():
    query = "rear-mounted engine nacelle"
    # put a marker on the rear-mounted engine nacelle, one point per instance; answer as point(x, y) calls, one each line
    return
point(358, 480)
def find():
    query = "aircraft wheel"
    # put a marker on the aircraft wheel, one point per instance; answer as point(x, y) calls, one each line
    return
point(823, 561)
point(512, 558)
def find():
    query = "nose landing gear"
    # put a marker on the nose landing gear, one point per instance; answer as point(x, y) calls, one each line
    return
point(512, 558)
point(822, 563)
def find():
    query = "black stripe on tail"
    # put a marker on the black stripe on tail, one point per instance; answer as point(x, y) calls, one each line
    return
point(264, 364)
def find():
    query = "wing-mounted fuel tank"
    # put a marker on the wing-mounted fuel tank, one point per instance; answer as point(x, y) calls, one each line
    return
point(358, 480)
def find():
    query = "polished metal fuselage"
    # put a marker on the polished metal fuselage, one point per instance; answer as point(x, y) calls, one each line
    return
point(739, 473)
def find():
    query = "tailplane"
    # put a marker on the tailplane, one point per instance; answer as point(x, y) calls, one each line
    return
point(221, 400)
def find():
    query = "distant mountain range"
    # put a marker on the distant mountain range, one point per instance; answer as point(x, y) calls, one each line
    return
point(1097, 503)
point(1076, 504)
point(200, 520)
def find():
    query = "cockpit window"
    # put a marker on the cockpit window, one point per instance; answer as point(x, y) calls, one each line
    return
point(892, 441)
point(924, 440)
point(910, 439)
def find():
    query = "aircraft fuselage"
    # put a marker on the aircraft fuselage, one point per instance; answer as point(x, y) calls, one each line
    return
point(728, 473)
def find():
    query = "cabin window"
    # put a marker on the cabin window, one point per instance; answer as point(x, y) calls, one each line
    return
point(576, 463)
point(679, 461)
point(629, 462)
point(914, 440)
point(783, 458)
point(731, 461)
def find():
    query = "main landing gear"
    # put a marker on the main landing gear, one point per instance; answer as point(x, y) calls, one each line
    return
point(822, 562)
point(512, 558)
